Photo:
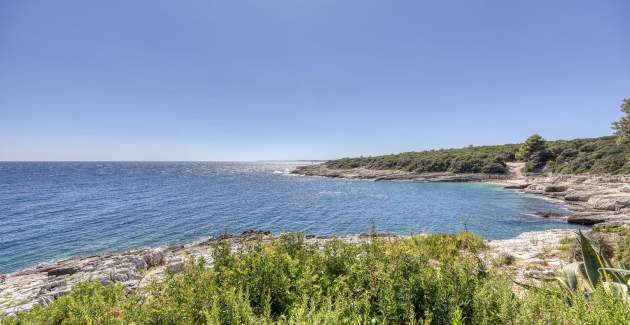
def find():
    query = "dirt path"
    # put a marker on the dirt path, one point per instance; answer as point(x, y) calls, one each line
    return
point(516, 170)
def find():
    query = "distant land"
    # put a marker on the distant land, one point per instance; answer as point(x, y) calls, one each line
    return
point(607, 155)
point(597, 156)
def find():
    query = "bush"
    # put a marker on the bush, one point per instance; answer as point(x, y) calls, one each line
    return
point(622, 252)
point(592, 156)
point(622, 127)
point(538, 160)
point(437, 279)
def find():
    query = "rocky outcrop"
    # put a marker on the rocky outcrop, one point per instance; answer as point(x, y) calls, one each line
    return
point(555, 188)
point(587, 218)
point(580, 196)
point(41, 285)
point(610, 202)
point(390, 175)
point(549, 215)
point(533, 255)
point(516, 187)
point(595, 200)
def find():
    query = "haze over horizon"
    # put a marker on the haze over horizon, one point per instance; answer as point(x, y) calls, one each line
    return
point(285, 80)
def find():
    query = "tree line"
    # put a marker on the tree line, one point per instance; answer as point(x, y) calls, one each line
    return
point(603, 155)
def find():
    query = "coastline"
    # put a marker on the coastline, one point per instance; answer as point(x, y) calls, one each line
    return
point(535, 254)
point(599, 201)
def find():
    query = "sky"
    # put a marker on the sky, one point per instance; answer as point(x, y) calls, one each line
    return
point(295, 79)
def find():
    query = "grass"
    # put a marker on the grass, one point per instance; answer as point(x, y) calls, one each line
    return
point(545, 253)
point(566, 244)
point(437, 279)
point(622, 252)
point(618, 230)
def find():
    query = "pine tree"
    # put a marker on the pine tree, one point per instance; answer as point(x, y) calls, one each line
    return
point(534, 152)
point(532, 145)
point(622, 127)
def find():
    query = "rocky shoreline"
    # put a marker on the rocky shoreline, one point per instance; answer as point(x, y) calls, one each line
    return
point(600, 201)
point(40, 285)
point(393, 175)
point(135, 269)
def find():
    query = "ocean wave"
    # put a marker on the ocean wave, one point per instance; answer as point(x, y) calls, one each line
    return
point(331, 193)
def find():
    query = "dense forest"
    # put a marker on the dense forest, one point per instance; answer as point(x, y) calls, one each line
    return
point(605, 155)
point(490, 159)
point(593, 156)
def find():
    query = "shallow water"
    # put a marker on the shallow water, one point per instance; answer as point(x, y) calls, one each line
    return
point(52, 210)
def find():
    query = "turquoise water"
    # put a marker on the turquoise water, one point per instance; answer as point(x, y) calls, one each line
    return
point(56, 210)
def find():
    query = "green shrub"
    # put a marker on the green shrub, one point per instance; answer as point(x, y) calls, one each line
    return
point(594, 156)
point(437, 279)
point(88, 303)
point(541, 307)
point(622, 127)
point(622, 252)
point(537, 161)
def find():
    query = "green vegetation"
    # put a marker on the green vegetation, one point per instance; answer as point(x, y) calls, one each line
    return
point(622, 127)
point(592, 271)
point(533, 145)
point(534, 151)
point(589, 156)
point(488, 159)
point(622, 252)
point(566, 244)
point(605, 155)
point(581, 156)
point(436, 279)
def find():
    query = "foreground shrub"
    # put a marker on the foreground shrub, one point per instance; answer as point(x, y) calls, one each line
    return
point(622, 252)
point(88, 303)
point(541, 307)
point(437, 279)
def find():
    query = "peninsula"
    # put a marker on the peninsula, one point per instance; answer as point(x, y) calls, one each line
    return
point(591, 176)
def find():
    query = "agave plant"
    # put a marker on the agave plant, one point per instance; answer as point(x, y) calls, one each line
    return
point(594, 269)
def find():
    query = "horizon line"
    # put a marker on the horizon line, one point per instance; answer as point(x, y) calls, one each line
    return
point(233, 161)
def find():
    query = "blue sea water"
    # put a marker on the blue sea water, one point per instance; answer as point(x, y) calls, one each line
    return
point(53, 210)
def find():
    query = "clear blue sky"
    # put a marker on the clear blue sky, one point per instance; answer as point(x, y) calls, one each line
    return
point(297, 79)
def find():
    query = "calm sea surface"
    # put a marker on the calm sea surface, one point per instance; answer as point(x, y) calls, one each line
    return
point(52, 210)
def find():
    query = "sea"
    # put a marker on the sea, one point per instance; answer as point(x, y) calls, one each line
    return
point(56, 210)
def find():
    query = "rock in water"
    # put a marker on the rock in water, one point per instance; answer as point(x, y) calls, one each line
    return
point(555, 188)
point(548, 214)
